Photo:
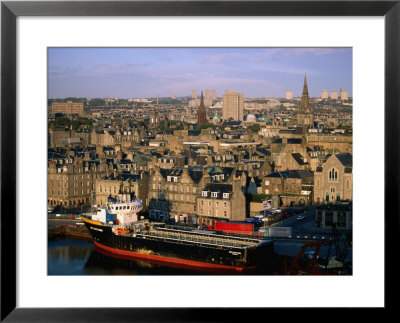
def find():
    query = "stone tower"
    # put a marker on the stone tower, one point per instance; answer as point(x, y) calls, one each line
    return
point(154, 119)
point(305, 111)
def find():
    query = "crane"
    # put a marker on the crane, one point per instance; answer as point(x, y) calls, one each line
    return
point(312, 266)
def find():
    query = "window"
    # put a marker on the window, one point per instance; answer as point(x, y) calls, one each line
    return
point(347, 184)
point(214, 194)
point(217, 204)
point(266, 183)
point(226, 195)
point(204, 193)
point(168, 178)
point(201, 203)
point(224, 204)
point(225, 213)
point(333, 175)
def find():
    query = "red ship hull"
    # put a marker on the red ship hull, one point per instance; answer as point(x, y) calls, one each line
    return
point(170, 261)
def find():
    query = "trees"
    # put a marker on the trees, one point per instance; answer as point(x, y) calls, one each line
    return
point(66, 122)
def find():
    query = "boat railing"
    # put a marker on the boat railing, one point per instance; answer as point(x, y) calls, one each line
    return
point(251, 239)
point(212, 240)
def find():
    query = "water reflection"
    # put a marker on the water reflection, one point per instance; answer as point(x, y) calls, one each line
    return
point(67, 257)
point(74, 257)
point(99, 263)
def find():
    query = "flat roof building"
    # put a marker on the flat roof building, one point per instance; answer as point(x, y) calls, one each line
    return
point(232, 105)
point(344, 95)
point(68, 107)
point(210, 94)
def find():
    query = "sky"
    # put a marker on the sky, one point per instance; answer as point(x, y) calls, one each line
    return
point(148, 72)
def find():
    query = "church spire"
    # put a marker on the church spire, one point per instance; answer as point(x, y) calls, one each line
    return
point(305, 88)
point(305, 111)
point(305, 100)
point(201, 100)
point(201, 116)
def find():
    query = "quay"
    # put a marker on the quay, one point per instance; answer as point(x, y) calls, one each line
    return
point(58, 233)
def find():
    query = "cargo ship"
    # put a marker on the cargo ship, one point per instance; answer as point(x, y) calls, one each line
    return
point(118, 232)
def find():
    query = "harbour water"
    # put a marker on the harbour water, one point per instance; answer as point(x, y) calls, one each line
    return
point(75, 257)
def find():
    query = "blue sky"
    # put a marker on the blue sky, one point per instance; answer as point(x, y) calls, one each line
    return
point(148, 72)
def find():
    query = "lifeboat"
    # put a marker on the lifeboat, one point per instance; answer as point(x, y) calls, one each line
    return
point(122, 231)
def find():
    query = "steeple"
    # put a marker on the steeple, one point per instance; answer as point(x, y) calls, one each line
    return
point(201, 98)
point(304, 105)
point(201, 115)
point(305, 88)
point(305, 111)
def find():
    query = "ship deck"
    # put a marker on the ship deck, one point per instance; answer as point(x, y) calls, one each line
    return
point(200, 238)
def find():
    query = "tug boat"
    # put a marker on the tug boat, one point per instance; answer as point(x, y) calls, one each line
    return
point(118, 232)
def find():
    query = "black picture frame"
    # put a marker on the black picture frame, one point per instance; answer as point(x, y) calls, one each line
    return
point(10, 10)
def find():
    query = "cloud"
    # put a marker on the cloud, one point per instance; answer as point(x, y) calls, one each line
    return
point(277, 53)
point(318, 51)
point(219, 83)
point(221, 58)
point(56, 71)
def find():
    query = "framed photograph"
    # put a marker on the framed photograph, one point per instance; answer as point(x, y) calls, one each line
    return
point(294, 61)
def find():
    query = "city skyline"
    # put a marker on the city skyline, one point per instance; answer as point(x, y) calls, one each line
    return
point(148, 72)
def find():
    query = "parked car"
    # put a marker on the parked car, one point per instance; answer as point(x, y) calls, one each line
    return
point(255, 220)
point(300, 217)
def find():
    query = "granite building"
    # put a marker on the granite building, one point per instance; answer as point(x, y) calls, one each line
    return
point(68, 107)
point(334, 179)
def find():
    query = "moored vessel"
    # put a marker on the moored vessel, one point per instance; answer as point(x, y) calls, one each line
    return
point(118, 232)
